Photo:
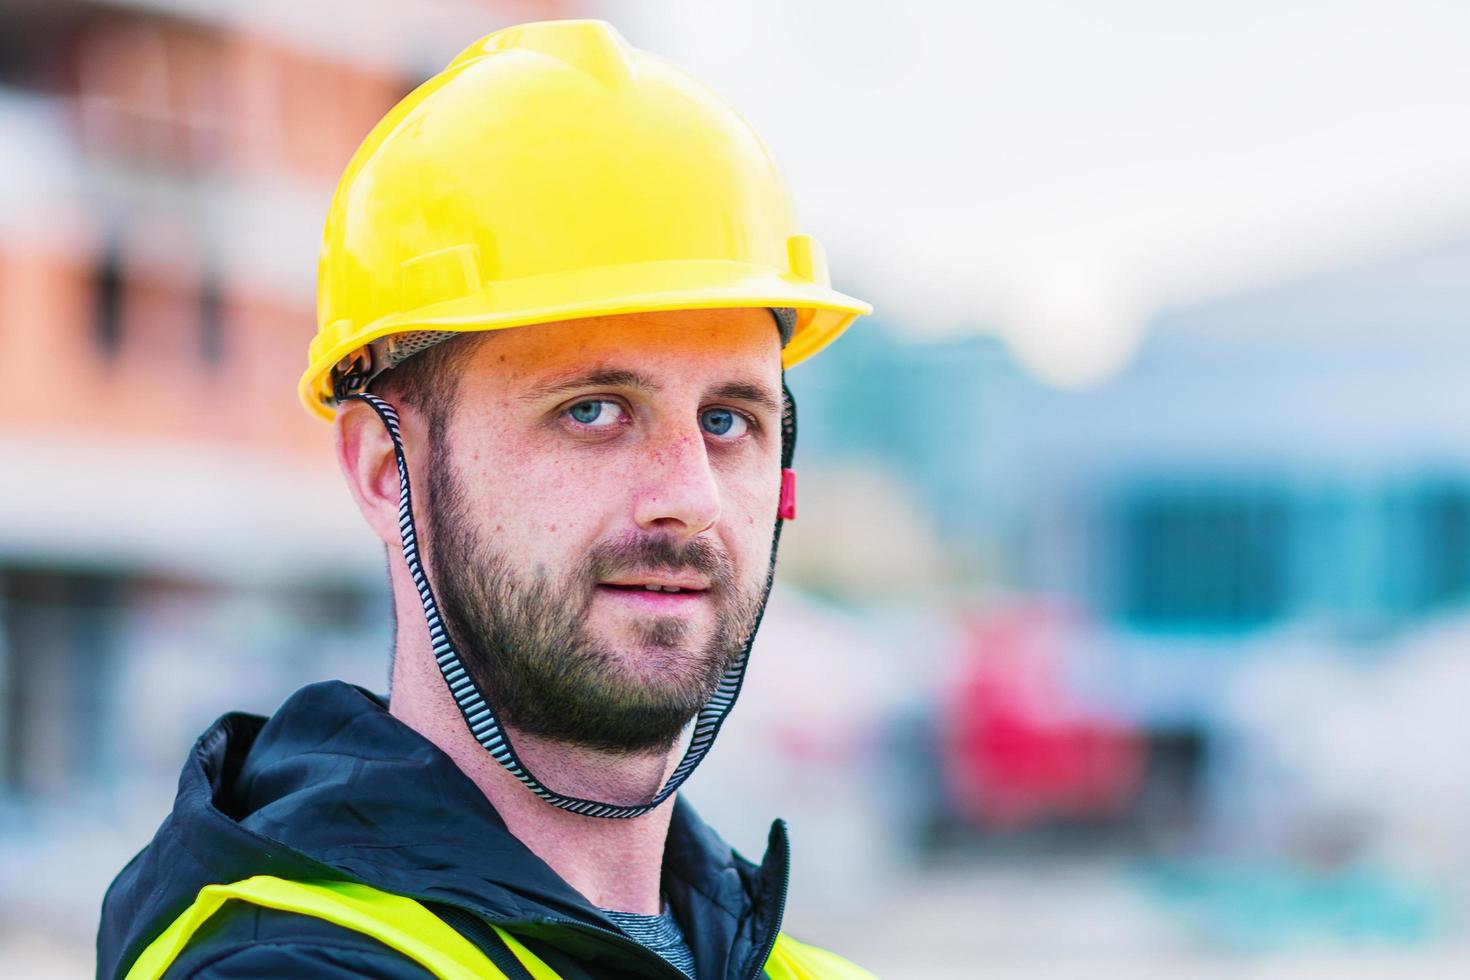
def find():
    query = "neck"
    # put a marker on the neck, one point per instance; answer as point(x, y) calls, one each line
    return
point(615, 864)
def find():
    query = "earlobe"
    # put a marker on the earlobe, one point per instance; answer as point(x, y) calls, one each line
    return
point(365, 454)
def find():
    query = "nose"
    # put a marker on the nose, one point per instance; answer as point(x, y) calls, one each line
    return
point(678, 493)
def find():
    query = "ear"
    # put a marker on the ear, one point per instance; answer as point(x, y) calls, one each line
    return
point(365, 453)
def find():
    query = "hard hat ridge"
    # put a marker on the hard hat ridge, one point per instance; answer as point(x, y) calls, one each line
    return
point(592, 47)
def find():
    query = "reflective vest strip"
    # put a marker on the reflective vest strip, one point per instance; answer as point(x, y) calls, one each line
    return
point(792, 959)
point(393, 920)
point(419, 934)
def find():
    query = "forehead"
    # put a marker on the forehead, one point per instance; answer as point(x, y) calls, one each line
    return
point(687, 343)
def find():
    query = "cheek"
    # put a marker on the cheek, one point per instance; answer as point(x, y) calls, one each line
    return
point(748, 514)
point(541, 509)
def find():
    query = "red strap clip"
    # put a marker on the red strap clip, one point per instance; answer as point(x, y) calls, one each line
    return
point(787, 510)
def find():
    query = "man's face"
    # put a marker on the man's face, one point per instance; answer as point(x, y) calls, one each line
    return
point(585, 462)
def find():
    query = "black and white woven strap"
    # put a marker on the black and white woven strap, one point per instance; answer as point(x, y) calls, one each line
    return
point(479, 714)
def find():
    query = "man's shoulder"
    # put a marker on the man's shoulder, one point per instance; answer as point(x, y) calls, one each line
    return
point(242, 940)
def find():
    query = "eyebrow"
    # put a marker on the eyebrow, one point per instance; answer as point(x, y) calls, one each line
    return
point(746, 391)
point(598, 378)
point(751, 392)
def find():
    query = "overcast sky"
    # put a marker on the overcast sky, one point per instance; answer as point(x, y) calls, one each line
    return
point(1060, 170)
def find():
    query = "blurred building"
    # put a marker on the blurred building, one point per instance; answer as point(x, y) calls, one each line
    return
point(171, 521)
point(1279, 469)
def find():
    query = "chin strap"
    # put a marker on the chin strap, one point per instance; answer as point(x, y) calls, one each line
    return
point(478, 713)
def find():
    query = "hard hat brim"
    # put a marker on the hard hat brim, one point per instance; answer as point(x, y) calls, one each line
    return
point(822, 313)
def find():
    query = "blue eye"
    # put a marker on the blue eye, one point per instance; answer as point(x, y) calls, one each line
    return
point(597, 413)
point(723, 423)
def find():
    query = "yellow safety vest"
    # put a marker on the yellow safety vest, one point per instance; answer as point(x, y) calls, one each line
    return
point(419, 934)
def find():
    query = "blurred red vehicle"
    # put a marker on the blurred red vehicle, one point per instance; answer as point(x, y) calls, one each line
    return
point(1018, 747)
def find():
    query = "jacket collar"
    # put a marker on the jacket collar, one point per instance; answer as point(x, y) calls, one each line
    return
point(334, 786)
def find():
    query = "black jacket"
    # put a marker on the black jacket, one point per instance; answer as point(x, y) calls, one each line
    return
point(335, 787)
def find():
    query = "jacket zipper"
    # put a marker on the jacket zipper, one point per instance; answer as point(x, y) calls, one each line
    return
point(760, 964)
point(668, 969)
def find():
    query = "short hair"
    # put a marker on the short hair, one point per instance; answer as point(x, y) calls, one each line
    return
point(429, 380)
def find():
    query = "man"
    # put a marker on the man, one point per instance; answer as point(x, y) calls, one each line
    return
point(559, 285)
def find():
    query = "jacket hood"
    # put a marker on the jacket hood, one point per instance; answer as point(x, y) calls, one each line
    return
point(335, 787)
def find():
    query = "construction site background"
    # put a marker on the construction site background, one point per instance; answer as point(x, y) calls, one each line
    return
point(1124, 627)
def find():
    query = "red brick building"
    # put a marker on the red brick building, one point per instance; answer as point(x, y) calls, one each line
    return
point(173, 535)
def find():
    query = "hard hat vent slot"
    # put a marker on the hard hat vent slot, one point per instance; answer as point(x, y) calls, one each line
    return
point(807, 259)
point(444, 274)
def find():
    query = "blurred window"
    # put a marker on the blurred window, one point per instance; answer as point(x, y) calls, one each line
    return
point(57, 635)
point(151, 92)
point(1441, 526)
point(35, 40)
point(211, 320)
point(166, 96)
point(154, 307)
point(107, 290)
point(1203, 558)
point(13, 60)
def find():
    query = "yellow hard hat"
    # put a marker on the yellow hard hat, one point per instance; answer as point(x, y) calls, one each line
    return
point(552, 172)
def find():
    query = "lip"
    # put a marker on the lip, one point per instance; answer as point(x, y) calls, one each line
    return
point(652, 601)
point(639, 579)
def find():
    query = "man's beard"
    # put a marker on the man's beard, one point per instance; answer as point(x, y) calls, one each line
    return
point(525, 641)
